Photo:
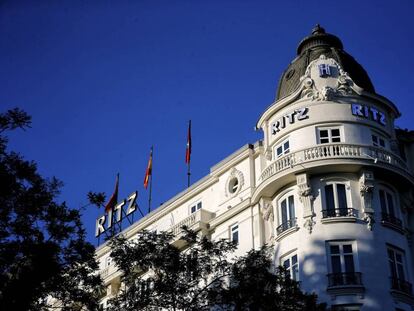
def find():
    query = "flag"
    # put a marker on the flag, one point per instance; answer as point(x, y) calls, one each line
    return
point(188, 149)
point(148, 172)
point(114, 198)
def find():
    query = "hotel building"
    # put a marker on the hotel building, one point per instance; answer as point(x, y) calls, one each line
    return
point(330, 186)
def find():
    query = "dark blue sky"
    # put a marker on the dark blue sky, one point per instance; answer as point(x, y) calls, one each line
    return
point(104, 80)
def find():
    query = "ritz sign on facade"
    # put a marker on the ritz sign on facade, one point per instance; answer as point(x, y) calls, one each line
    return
point(115, 216)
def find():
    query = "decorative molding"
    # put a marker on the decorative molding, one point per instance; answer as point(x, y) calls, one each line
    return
point(341, 83)
point(366, 187)
point(234, 173)
point(306, 197)
point(266, 210)
point(268, 154)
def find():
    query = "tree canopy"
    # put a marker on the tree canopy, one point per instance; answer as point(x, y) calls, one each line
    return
point(43, 249)
point(157, 275)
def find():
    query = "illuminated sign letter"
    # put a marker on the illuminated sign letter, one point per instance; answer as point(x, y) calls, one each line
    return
point(132, 205)
point(99, 226)
point(118, 210)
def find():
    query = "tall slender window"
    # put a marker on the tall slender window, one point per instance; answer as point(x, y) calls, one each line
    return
point(234, 233)
point(336, 202)
point(388, 210)
point(396, 261)
point(342, 264)
point(287, 217)
point(291, 265)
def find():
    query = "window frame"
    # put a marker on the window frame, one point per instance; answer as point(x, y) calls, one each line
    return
point(348, 196)
point(379, 138)
point(341, 243)
point(197, 206)
point(234, 228)
point(290, 269)
point(282, 145)
point(285, 197)
point(330, 137)
point(403, 263)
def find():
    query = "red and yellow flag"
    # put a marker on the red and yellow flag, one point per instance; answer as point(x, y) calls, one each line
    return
point(148, 172)
point(114, 198)
point(188, 148)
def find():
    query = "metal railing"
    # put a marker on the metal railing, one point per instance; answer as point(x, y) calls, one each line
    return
point(401, 285)
point(286, 225)
point(339, 212)
point(344, 279)
point(391, 219)
point(331, 151)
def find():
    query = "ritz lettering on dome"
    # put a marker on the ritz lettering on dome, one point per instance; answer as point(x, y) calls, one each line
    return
point(115, 216)
point(289, 118)
point(368, 112)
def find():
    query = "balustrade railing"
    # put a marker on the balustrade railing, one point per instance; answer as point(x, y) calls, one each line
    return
point(391, 219)
point(286, 225)
point(344, 279)
point(331, 151)
point(401, 285)
point(339, 212)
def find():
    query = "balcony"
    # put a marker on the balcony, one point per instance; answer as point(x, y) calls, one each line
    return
point(345, 283)
point(339, 212)
point(197, 221)
point(329, 152)
point(392, 222)
point(286, 228)
point(401, 286)
point(344, 279)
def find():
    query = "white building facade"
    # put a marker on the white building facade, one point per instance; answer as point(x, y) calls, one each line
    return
point(330, 186)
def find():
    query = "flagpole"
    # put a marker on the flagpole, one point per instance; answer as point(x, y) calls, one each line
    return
point(188, 174)
point(150, 185)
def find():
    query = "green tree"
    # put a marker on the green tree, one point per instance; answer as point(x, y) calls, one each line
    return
point(43, 249)
point(159, 276)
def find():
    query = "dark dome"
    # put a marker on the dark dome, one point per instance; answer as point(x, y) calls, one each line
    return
point(309, 49)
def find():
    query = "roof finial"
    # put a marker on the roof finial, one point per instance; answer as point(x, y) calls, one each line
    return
point(317, 30)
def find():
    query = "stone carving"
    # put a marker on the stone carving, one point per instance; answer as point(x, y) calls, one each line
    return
point(369, 219)
point(337, 84)
point(268, 154)
point(266, 209)
point(306, 198)
point(234, 173)
point(366, 187)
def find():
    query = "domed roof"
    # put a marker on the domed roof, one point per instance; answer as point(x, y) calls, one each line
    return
point(309, 49)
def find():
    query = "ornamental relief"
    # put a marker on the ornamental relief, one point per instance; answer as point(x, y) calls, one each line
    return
point(234, 183)
point(325, 79)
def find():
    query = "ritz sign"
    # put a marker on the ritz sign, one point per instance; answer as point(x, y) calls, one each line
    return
point(115, 215)
point(369, 113)
point(289, 118)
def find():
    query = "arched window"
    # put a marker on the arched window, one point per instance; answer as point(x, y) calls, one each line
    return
point(286, 211)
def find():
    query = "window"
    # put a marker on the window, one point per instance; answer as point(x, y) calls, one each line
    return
point(329, 135)
point(388, 211)
point(342, 264)
point(378, 141)
point(396, 261)
point(234, 233)
point(287, 217)
point(282, 149)
point(233, 185)
point(194, 208)
point(336, 201)
point(292, 266)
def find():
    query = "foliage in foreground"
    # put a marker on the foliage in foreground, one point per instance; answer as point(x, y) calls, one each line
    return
point(157, 275)
point(43, 247)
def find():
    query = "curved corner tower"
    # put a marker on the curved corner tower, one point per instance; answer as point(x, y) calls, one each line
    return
point(333, 176)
